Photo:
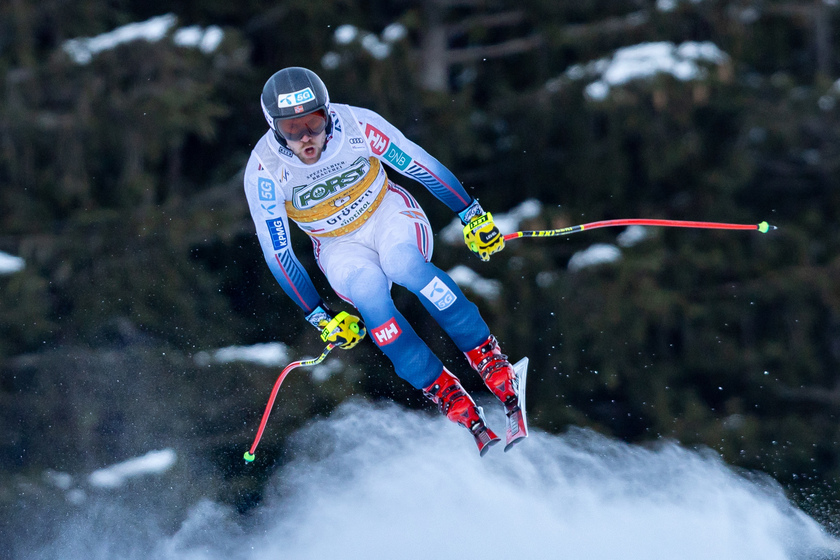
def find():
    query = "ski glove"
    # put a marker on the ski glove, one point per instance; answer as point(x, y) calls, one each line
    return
point(343, 329)
point(480, 232)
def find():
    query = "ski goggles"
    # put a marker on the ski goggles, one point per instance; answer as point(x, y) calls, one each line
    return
point(295, 129)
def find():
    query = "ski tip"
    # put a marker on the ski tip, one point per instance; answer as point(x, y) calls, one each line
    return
point(249, 457)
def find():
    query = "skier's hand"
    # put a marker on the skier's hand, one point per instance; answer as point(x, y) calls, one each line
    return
point(483, 237)
point(344, 329)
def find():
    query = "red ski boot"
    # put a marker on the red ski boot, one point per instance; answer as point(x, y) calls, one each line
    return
point(507, 383)
point(458, 406)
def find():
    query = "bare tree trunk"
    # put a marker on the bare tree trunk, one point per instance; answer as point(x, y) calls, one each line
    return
point(822, 38)
point(435, 67)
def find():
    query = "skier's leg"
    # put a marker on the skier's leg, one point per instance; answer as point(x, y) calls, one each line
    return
point(404, 242)
point(405, 254)
point(458, 317)
point(354, 273)
point(368, 289)
point(454, 402)
point(495, 369)
point(504, 382)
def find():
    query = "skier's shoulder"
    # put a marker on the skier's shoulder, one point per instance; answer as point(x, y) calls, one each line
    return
point(364, 116)
point(270, 153)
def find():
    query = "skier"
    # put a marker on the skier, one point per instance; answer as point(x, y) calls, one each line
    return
point(320, 164)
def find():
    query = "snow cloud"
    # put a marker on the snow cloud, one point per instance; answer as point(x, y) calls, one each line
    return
point(381, 482)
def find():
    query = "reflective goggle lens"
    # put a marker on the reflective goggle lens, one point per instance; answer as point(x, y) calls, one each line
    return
point(296, 129)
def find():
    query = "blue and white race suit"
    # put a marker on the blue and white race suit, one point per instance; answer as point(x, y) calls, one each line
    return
point(367, 232)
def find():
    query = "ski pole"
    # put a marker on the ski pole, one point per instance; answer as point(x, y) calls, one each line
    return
point(249, 455)
point(763, 227)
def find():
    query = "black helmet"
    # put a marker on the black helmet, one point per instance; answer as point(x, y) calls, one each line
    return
point(294, 92)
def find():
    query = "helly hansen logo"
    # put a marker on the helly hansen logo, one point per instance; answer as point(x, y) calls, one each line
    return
point(377, 139)
point(387, 333)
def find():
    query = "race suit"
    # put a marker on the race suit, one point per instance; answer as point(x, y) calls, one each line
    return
point(367, 232)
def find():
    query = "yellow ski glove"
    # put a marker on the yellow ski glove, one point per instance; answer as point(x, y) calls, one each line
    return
point(344, 329)
point(483, 237)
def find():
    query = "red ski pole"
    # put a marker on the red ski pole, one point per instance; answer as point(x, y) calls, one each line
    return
point(249, 455)
point(763, 227)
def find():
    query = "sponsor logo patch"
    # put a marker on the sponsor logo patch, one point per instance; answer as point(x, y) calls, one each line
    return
point(307, 196)
point(279, 239)
point(284, 174)
point(296, 98)
point(377, 139)
point(266, 189)
point(398, 157)
point(439, 294)
point(387, 333)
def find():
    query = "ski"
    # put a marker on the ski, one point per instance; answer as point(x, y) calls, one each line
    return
point(516, 423)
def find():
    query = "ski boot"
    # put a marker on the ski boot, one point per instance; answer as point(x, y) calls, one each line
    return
point(454, 402)
point(507, 383)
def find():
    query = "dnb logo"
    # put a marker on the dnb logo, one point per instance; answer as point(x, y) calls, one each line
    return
point(387, 333)
point(279, 239)
point(295, 98)
point(439, 294)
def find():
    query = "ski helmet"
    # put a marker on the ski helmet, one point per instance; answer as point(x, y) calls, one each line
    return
point(291, 93)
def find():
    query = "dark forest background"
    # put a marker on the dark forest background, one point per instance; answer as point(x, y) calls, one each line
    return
point(120, 186)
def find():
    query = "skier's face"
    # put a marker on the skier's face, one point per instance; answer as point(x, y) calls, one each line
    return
point(309, 148)
point(305, 135)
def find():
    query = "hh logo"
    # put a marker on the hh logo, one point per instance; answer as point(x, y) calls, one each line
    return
point(387, 333)
point(439, 294)
point(377, 139)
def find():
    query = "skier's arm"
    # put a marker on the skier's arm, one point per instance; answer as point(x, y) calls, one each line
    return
point(404, 156)
point(272, 225)
point(390, 145)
